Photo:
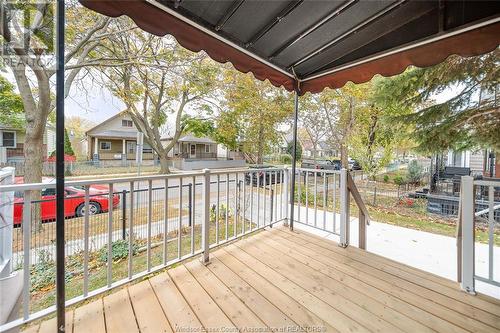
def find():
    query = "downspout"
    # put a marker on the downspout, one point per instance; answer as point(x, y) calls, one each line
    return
point(60, 255)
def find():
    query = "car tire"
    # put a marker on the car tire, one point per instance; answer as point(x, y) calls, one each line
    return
point(94, 208)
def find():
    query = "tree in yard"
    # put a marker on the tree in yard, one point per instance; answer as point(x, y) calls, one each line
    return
point(339, 108)
point(68, 149)
point(11, 105)
point(34, 67)
point(257, 108)
point(77, 126)
point(469, 118)
point(160, 80)
point(313, 121)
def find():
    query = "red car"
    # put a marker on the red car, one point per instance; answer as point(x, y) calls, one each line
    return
point(74, 204)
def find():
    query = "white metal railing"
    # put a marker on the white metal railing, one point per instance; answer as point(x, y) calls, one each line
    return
point(471, 213)
point(156, 220)
point(322, 201)
point(119, 230)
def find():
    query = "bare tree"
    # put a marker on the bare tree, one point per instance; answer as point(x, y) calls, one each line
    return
point(160, 80)
point(33, 65)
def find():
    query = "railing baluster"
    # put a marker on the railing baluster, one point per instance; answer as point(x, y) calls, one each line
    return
point(307, 197)
point(491, 229)
point(335, 203)
point(165, 225)
point(251, 200)
point(86, 243)
point(236, 209)
point(244, 203)
point(193, 215)
point(299, 191)
point(315, 199)
point(217, 211)
point(131, 232)
point(27, 253)
point(179, 224)
point(110, 235)
point(282, 176)
point(150, 213)
point(276, 195)
point(264, 186)
point(467, 197)
point(227, 208)
point(258, 200)
point(206, 217)
point(325, 194)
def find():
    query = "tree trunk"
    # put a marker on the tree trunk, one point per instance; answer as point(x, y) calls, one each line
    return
point(164, 169)
point(33, 165)
point(343, 156)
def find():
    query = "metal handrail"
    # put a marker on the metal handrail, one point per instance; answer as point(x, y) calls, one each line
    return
point(105, 181)
point(244, 218)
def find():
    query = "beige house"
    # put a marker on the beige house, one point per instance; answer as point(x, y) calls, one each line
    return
point(192, 147)
point(12, 142)
point(115, 139)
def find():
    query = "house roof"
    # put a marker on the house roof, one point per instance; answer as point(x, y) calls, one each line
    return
point(119, 114)
point(115, 134)
point(309, 44)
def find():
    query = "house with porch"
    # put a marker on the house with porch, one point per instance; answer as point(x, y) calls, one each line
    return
point(114, 141)
point(191, 147)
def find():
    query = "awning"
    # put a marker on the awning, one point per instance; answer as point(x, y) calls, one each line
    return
point(317, 44)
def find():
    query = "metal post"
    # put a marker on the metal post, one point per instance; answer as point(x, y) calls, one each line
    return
point(294, 157)
point(190, 204)
point(124, 213)
point(60, 255)
point(272, 206)
point(286, 174)
point(206, 218)
point(467, 215)
point(344, 209)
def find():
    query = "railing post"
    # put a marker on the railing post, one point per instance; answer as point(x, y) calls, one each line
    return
point(206, 218)
point(362, 230)
point(286, 184)
point(467, 215)
point(344, 209)
point(124, 213)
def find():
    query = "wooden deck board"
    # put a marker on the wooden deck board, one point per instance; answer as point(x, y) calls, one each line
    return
point(282, 280)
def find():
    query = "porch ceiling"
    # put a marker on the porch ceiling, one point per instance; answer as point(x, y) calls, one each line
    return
point(315, 284)
point(318, 44)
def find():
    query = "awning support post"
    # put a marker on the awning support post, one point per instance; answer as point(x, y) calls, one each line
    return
point(294, 158)
point(60, 255)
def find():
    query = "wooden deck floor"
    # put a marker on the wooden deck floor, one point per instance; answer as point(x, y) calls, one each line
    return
point(281, 280)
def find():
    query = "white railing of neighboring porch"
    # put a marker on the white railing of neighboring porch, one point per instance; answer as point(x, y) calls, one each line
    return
point(160, 220)
point(469, 217)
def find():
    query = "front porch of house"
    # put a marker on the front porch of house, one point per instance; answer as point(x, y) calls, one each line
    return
point(117, 149)
point(316, 285)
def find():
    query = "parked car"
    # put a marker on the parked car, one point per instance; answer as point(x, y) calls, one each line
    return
point(74, 204)
point(271, 177)
point(322, 164)
point(354, 165)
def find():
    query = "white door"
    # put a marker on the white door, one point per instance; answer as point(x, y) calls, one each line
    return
point(192, 151)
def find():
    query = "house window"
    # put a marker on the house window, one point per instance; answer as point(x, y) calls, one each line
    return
point(9, 139)
point(105, 145)
point(207, 148)
point(127, 123)
point(146, 148)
